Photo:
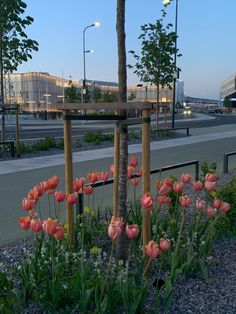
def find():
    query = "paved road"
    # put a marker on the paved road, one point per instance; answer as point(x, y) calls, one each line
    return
point(35, 129)
point(18, 176)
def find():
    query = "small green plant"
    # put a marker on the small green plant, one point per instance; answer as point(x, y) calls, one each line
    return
point(98, 137)
point(44, 144)
point(60, 143)
point(78, 143)
point(25, 148)
point(7, 298)
point(133, 135)
point(207, 167)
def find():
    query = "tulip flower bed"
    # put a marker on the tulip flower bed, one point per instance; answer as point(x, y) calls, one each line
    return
point(186, 217)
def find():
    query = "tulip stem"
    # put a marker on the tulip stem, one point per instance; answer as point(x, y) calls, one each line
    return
point(49, 206)
point(147, 266)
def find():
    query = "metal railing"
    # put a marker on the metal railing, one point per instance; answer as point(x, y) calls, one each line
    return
point(226, 161)
point(79, 206)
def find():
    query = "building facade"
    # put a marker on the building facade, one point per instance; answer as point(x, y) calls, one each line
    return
point(39, 91)
point(228, 88)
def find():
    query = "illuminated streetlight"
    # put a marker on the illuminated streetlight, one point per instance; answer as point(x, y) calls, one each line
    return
point(95, 24)
point(166, 3)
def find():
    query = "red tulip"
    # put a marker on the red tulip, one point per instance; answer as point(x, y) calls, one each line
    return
point(103, 176)
point(33, 195)
point(28, 204)
point(161, 200)
point(185, 201)
point(225, 207)
point(36, 225)
point(24, 222)
point(88, 189)
point(130, 171)
point(164, 244)
point(132, 231)
point(168, 181)
point(59, 196)
point(178, 187)
point(53, 182)
point(32, 213)
point(71, 198)
point(211, 211)
point(50, 226)
point(211, 177)
point(59, 233)
point(210, 186)
point(152, 249)
point(44, 185)
point(135, 181)
point(186, 178)
point(93, 177)
point(140, 172)
point(198, 186)
point(133, 161)
point(39, 189)
point(216, 203)
point(147, 201)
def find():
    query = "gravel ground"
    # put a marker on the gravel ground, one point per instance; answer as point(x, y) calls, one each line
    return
point(194, 295)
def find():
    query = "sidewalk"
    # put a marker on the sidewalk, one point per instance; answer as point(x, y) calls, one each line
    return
point(197, 136)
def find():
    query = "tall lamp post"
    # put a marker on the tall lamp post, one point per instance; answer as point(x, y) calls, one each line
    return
point(95, 24)
point(166, 3)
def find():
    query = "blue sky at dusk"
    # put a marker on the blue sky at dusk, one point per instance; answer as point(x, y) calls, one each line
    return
point(205, 28)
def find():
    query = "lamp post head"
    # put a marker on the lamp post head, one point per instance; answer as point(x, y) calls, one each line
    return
point(166, 2)
point(96, 24)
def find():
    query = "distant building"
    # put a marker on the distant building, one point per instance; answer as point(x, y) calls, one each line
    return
point(39, 91)
point(228, 88)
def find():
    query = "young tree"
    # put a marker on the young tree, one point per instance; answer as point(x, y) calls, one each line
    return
point(72, 94)
point(227, 102)
point(122, 98)
point(15, 46)
point(156, 62)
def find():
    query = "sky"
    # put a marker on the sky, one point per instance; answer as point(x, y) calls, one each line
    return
point(206, 39)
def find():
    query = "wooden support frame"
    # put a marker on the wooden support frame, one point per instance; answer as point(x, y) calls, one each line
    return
point(146, 227)
point(145, 107)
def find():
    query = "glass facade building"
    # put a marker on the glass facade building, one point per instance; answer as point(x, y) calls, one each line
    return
point(228, 87)
point(39, 91)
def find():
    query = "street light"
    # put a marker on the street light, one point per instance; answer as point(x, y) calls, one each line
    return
point(166, 3)
point(95, 24)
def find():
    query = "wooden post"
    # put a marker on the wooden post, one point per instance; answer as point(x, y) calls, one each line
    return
point(146, 228)
point(17, 133)
point(165, 125)
point(116, 169)
point(69, 178)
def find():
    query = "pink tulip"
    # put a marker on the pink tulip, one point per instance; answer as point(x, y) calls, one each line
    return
point(185, 201)
point(133, 161)
point(186, 178)
point(71, 198)
point(216, 203)
point(53, 182)
point(161, 200)
point(130, 171)
point(24, 222)
point(164, 244)
point(210, 186)
point(135, 181)
point(225, 207)
point(39, 189)
point(211, 211)
point(147, 201)
point(36, 225)
point(132, 231)
point(44, 185)
point(200, 205)
point(164, 189)
point(178, 187)
point(198, 186)
point(32, 213)
point(93, 177)
point(168, 200)
point(59, 233)
point(33, 195)
point(50, 226)
point(112, 170)
point(211, 177)
point(59, 196)
point(103, 176)
point(152, 249)
point(115, 228)
point(168, 181)
point(88, 189)
point(28, 203)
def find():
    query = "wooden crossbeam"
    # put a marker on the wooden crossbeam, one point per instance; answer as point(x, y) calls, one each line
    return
point(93, 117)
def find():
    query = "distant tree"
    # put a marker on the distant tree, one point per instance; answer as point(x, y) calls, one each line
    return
point(15, 46)
point(109, 97)
point(95, 95)
point(131, 96)
point(227, 102)
point(72, 94)
point(156, 62)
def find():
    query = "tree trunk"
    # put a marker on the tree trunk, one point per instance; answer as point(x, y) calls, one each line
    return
point(122, 98)
point(157, 107)
point(2, 90)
